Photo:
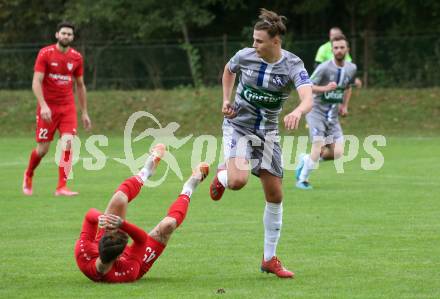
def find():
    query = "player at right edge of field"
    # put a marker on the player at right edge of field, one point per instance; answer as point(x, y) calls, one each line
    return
point(332, 82)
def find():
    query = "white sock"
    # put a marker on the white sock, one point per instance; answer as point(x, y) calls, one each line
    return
point(190, 185)
point(272, 219)
point(223, 177)
point(148, 169)
point(309, 165)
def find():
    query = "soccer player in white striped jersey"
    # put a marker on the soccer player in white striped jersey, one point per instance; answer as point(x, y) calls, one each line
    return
point(250, 128)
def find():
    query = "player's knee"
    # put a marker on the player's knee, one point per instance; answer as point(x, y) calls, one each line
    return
point(42, 149)
point(118, 201)
point(237, 183)
point(67, 140)
point(68, 145)
point(167, 226)
point(275, 196)
point(338, 153)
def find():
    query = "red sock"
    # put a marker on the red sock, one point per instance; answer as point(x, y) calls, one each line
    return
point(131, 187)
point(34, 160)
point(64, 168)
point(179, 208)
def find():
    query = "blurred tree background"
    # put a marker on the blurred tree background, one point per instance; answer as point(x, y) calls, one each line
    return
point(164, 44)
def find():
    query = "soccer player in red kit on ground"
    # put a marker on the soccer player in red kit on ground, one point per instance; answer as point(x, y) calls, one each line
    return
point(56, 69)
point(102, 253)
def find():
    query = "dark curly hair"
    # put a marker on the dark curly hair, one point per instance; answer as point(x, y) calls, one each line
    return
point(111, 245)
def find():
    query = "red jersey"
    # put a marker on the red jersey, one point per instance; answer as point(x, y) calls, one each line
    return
point(59, 71)
point(131, 265)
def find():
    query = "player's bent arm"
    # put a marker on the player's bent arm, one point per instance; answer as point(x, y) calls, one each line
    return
point(320, 89)
point(92, 216)
point(90, 224)
point(137, 234)
point(228, 81)
point(37, 88)
point(306, 96)
point(291, 120)
point(347, 96)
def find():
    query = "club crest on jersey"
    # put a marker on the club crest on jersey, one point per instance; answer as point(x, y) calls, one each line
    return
point(304, 77)
point(278, 81)
point(69, 66)
point(249, 72)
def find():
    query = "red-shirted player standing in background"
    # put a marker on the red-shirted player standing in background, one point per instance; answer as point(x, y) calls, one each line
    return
point(101, 251)
point(56, 69)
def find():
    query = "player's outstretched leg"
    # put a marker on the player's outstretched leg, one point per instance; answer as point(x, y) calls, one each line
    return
point(178, 209)
point(130, 188)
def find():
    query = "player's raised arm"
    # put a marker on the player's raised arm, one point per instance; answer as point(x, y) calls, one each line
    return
point(37, 81)
point(90, 224)
point(228, 81)
point(115, 222)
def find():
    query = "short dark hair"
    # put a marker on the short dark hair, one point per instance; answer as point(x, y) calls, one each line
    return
point(271, 22)
point(111, 245)
point(338, 38)
point(65, 24)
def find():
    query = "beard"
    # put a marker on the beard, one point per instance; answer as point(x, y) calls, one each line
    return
point(340, 57)
point(64, 43)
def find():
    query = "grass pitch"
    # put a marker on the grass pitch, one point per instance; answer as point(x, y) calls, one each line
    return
point(361, 234)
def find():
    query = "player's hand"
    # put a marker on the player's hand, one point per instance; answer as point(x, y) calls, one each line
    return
point(358, 83)
point(291, 120)
point(343, 110)
point(87, 123)
point(46, 113)
point(102, 221)
point(228, 110)
point(331, 86)
point(113, 221)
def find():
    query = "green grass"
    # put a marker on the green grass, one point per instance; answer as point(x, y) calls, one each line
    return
point(361, 234)
point(396, 112)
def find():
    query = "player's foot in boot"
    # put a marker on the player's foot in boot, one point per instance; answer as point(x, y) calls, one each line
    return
point(27, 184)
point(64, 191)
point(216, 189)
point(304, 185)
point(201, 171)
point(274, 266)
point(156, 154)
point(300, 166)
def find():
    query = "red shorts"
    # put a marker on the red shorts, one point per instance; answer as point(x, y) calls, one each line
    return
point(150, 253)
point(63, 119)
